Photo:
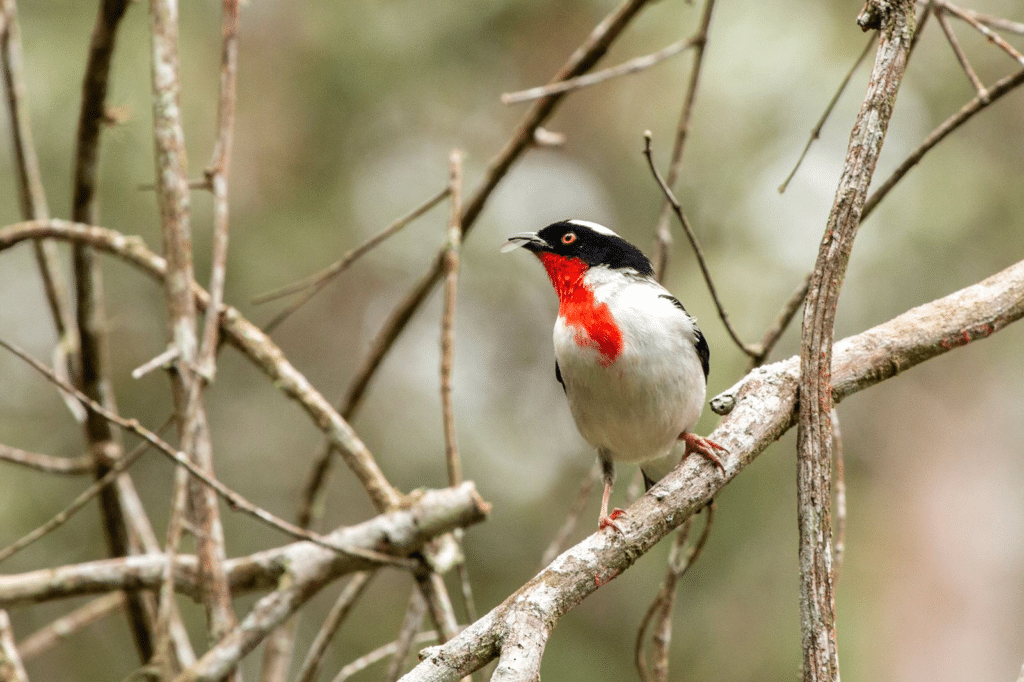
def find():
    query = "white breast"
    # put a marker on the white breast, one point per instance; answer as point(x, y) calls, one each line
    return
point(637, 406)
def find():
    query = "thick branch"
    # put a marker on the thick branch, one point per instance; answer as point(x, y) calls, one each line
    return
point(398, 533)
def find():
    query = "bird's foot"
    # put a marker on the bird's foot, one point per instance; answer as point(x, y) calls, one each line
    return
point(705, 447)
point(606, 521)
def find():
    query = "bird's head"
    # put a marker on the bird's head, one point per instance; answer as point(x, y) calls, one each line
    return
point(574, 246)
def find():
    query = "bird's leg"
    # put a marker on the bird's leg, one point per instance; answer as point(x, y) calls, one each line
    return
point(608, 474)
point(704, 447)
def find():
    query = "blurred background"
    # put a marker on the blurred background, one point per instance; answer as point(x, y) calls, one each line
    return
point(346, 114)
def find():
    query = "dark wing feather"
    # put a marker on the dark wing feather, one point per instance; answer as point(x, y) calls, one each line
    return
point(699, 343)
point(558, 375)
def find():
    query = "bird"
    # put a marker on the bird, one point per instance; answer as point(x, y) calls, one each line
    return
point(632, 362)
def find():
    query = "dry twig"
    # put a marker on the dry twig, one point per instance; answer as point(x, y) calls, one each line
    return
point(663, 236)
point(698, 252)
point(627, 68)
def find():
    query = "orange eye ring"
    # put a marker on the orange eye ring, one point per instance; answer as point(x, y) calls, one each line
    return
point(568, 237)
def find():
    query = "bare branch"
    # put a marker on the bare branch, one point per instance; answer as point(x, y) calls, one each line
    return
point(47, 637)
point(573, 517)
point(31, 195)
point(308, 577)
point(316, 282)
point(814, 436)
point(120, 466)
point(232, 498)
point(217, 174)
point(395, 534)
point(451, 281)
point(411, 622)
point(961, 57)
point(47, 463)
point(627, 68)
point(816, 131)
point(663, 236)
point(840, 486)
point(989, 34)
point(1000, 88)
point(698, 252)
point(11, 667)
point(342, 607)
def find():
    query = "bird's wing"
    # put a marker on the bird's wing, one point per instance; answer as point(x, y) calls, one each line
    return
point(558, 375)
point(699, 342)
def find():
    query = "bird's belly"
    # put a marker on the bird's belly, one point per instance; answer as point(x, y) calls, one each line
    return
point(636, 407)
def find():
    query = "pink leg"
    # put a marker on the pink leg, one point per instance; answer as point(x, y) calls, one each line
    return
point(703, 447)
point(608, 473)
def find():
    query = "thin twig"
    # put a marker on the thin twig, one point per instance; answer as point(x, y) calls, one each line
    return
point(958, 50)
point(257, 347)
point(217, 174)
point(120, 466)
point(173, 198)
point(11, 667)
point(335, 617)
point(663, 235)
point(411, 621)
point(233, 499)
point(989, 34)
point(31, 195)
point(661, 609)
point(573, 517)
point(451, 281)
point(626, 68)
point(316, 282)
point(998, 89)
point(998, 23)
point(52, 634)
point(47, 463)
point(379, 654)
point(782, 320)
point(698, 252)
point(93, 372)
point(816, 131)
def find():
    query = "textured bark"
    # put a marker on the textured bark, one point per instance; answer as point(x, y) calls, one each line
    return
point(814, 435)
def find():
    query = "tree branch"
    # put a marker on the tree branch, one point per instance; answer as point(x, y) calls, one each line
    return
point(814, 436)
point(396, 534)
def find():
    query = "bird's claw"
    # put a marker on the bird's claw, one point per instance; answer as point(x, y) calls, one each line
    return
point(606, 521)
point(705, 447)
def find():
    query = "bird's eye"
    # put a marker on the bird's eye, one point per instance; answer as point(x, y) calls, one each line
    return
point(568, 237)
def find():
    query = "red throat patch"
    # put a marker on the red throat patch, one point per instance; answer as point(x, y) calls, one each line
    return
point(591, 321)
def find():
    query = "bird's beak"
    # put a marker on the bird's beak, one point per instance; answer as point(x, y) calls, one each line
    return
point(528, 240)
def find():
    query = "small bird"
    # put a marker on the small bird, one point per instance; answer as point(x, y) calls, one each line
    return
point(632, 361)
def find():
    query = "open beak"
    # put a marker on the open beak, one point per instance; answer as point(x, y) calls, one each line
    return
point(528, 240)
